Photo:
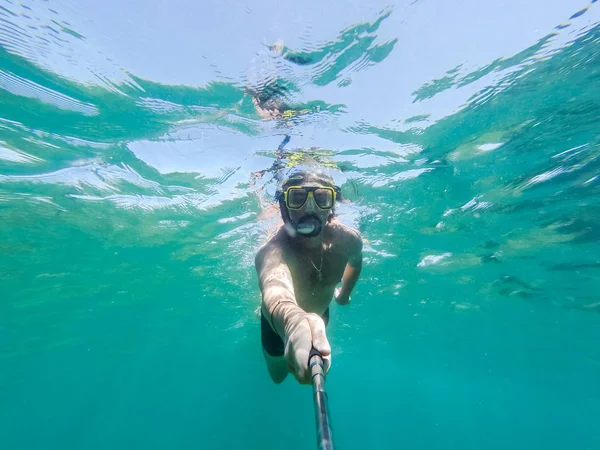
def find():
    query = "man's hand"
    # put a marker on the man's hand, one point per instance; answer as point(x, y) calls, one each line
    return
point(340, 298)
point(307, 333)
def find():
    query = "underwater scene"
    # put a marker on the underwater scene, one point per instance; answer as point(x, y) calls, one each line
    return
point(142, 148)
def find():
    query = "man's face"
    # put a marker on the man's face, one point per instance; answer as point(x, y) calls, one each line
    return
point(306, 216)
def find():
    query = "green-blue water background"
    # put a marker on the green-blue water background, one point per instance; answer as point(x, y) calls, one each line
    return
point(128, 292)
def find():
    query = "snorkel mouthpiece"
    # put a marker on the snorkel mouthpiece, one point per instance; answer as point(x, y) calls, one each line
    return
point(309, 226)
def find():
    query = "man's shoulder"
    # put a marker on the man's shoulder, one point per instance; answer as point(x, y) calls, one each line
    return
point(274, 241)
point(346, 238)
point(343, 231)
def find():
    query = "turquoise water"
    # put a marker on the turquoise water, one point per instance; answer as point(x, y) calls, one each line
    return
point(134, 191)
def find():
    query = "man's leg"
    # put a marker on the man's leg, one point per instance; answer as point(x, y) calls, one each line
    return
point(277, 367)
point(273, 352)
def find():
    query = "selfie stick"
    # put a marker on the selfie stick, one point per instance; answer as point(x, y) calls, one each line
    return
point(317, 371)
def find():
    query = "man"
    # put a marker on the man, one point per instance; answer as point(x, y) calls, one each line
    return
point(298, 270)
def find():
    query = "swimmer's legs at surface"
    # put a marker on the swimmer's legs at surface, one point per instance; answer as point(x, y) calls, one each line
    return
point(277, 367)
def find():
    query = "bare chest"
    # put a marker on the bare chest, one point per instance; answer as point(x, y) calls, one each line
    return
point(316, 276)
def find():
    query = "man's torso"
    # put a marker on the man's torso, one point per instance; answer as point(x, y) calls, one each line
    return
point(313, 292)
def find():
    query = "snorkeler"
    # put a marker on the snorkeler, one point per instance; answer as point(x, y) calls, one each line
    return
point(298, 270)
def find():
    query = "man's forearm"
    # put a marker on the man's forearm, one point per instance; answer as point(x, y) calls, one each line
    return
point(280, 308)
point(349, 280)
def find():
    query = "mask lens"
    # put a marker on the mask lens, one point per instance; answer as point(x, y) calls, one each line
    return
point(324, 198)
point(296, 197)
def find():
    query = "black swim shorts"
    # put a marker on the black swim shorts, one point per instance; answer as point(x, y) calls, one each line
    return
point(271, 341)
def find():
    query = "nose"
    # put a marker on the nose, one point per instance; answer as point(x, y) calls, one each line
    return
point(310, 205)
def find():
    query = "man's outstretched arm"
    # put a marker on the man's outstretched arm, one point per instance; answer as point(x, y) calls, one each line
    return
point(275, 280)
point(300, 331)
